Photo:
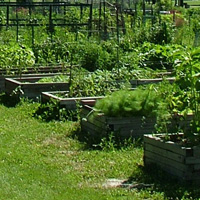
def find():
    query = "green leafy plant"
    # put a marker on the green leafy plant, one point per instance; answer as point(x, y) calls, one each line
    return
point(158, 56)
point(140, 102)
point(187, 78)
point(52, 111)
point(16, 55)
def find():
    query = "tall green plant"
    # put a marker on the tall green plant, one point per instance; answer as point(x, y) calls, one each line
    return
point(16, 56)
point(188, 79)
point(140, 102)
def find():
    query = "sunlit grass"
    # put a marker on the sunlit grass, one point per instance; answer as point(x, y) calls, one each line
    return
point(40, 160)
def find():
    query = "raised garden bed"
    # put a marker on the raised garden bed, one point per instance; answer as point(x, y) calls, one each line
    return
point(41, 71)
point(176, 159)
point(99, 125)
point(34, 70)
point(30, 88)
point(67, 102)
point(135, 83)
point(28, 76)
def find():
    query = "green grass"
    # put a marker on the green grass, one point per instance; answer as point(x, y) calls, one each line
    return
point(40, 160)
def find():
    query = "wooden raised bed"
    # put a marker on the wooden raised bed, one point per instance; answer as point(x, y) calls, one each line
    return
point(41, 71)
point(100, 125)
point(30, 87)
point(125, 127)
point(177, 160)
point(3, 77)
point(135, 83)
point(69, 103)
point(35, 70)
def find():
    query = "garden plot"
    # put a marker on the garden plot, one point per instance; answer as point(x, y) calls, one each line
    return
point(30, 87)
point(69, 103)
point(41, 71)
point(100, 125)
point(173, 157)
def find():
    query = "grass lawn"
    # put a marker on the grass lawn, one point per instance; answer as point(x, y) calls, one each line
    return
point(40, 160)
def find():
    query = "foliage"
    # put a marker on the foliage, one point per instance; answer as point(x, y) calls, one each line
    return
point(93, 57)
point(50, 52)
point(158, 56)
point(85, 84)
point(164, 4)
point(102, 82)
point(53, 111)
point(16, 55)
point(187, 78)
point(161, 33)
point(55, 79)
point(140, 102)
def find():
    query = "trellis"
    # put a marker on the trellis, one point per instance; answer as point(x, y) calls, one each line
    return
point(53, 13)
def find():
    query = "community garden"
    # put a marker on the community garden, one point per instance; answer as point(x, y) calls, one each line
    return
point(99, 100)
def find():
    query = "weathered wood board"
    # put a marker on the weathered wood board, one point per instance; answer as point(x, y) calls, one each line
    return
point(67, 102)
point(30, 88)
point(180, 161)
point(125, 127)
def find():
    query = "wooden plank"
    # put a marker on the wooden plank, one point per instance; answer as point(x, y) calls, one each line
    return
point(171, 146)
point(164, 152)
point(98, 118)
point(167, 161)
point(87, 126)
point(133, 119)
point(36, 69)
point(197, 168)
point(123, 120)
point(169, 169)
point(196, 151)
point(192, 160)
point(32, 90)
point(95, 122)
point(134, 129)
point(90, 102)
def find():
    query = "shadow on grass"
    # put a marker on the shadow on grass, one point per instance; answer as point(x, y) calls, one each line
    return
point(165, 183)
point(106, 142)
point(9, 101)
point(150, 178)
